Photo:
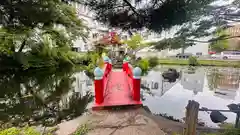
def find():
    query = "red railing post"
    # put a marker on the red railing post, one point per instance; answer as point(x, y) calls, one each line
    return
point(125, 66)
point(100, 80)
point(134, 79)
point(136, 83)
point(98, 85)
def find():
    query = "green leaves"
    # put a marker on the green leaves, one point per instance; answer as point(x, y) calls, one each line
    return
point(220, 45)
point(156, 15)
point(172, 43)
point(44, 30)
point(135, 42)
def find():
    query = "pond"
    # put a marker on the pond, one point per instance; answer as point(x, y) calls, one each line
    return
point(212, 87)
point(49, 97)
point(42, 97)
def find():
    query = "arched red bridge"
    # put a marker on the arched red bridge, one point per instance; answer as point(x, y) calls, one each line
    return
point(117, 87)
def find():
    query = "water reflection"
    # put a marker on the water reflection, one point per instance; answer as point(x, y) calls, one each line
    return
point(49, 96)
point(213, 88)
point(41, 97)
point(193, 81)
point(224, 82)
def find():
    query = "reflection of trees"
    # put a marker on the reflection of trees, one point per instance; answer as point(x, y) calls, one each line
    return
point(36, 97)
point(223, 79)
point(213, 77)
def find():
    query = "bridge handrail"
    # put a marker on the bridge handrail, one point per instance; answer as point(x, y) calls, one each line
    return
point(107, 69)
point(133, 82)
point(128, 71)
point(101, 80)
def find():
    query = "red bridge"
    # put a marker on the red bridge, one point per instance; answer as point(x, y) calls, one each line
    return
point(118, 87)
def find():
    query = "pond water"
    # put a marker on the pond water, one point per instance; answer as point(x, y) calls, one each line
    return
point(52, 96)
point(45, 97)
point(213, 88)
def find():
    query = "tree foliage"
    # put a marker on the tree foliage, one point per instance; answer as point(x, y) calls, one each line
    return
point(172, 43)
point(220, 45)
point(40, 27)
point(134, 42)
point(155, 15)
point(212, 17)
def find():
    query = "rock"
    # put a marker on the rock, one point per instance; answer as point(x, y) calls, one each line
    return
point(171, 75)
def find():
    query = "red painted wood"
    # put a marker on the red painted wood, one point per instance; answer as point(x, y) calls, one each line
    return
point(117, 92)
point(100, 85)
point(136, 89)
point(98, 91)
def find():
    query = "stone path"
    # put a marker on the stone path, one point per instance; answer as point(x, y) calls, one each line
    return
point(121, 122)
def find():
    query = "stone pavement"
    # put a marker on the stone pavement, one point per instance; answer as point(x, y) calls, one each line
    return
point(116, 122)
point(123, 122)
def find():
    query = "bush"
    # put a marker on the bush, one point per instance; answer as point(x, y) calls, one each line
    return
point(82, 130)
point(192, 61)
point(153, 61)
point(144, 65)
point(18, 131)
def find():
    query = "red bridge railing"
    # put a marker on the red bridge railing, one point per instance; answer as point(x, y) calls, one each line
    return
point(133, 79)
point(101, 80)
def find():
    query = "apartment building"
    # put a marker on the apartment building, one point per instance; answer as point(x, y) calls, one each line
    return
point(96, 29)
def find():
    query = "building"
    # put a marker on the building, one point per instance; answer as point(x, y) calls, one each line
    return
point(154, 37)
point(234, 43)
point(96, 29)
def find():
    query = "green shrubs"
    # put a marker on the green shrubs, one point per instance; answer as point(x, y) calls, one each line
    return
point(153, 61)
point(18, 131)
point(82, 130)
point(144, 65)
point(230, 131)
point(192, 61)
point(25, 131)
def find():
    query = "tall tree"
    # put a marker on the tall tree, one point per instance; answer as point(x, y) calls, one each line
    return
point(155, 15)
point(212, 17)
point(45, 28)
point(23, 21)
point(205, 24)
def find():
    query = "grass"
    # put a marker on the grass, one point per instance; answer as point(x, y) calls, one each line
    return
point(219, 63)
point(82, 130)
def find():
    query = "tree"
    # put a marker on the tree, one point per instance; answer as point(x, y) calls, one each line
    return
point(220, 45)
point(39, 26)
point(135, 43)
point(155, 15)
point(172, 43)
point(212, 16)
point(195, 17)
